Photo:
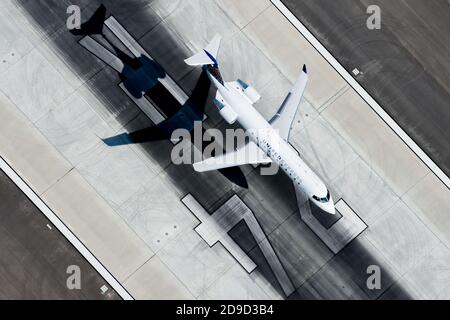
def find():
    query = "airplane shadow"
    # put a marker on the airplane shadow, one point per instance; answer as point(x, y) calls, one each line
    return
point(140, 76)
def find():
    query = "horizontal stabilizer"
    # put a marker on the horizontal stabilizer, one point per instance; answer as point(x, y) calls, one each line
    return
point(200, 59)
point(248, 154)
point(207, 56)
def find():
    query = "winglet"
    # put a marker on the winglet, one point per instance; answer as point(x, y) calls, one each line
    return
point(304, 69)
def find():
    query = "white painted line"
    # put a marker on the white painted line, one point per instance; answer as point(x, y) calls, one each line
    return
point(64, 230)
point(362, 92)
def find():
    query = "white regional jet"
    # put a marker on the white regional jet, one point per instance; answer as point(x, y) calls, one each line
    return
point(235, 102)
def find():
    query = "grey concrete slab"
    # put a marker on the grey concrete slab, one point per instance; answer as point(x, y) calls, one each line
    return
point(24, 146)
point(346, 276)
point(401, 290)
point(14, 43)
point(34, 256)
point(193, 262)
point(405, 64)
point(235, 284)
point(321, 146)
point(241, 59)
point(380, 147)
point(197, 36)
point(281, 43)
point(155, 154)
point(364, 191)
point(116, 173)
point(98, 226)
point(341, 289)
point(108, 100)
point(430, 199)
point(210, 189)
point(168, 49)
point(156, 214)
point(271, 198)
point(34, 71)
point(430, 278)
point(164, 8)
point(49, 16)
point(63, 50)
point(74, 128)
point(138, 16)
point(243, 12)
point(154, 281)
point(301, 252)
point(402, 238)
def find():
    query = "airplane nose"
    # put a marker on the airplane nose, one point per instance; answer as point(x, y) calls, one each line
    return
point(331, 210)
point(328, 207)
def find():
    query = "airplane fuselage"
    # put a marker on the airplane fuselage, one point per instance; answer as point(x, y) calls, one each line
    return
point(281, 152)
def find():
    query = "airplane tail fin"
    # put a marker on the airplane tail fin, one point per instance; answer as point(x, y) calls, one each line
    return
point(207, 56)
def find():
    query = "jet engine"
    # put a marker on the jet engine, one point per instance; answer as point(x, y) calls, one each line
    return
point(226, 111)
point(249, 91)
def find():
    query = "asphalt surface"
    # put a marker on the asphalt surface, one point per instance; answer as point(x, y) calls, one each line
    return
point(34, 258)
point(404, 65)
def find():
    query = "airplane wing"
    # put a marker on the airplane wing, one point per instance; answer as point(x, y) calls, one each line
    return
point(284, 117)
point(248, 154)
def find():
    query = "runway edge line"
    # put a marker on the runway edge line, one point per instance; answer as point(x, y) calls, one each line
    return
point(67, 233)
point(362, 92)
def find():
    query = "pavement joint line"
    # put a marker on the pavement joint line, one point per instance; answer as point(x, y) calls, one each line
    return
point(375, 106)
point(66, 232)
point(43, 192)
point(137, 269)
point(423, 219)
point(333, 99)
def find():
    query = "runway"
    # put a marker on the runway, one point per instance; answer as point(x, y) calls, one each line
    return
point(126, 201)
point(404, 65)
point(35, 256)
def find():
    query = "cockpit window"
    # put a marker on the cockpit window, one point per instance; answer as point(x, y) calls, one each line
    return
point(323, 200)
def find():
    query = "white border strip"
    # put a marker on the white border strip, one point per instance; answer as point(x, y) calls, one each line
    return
point(362, 92)
point(64, 230)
